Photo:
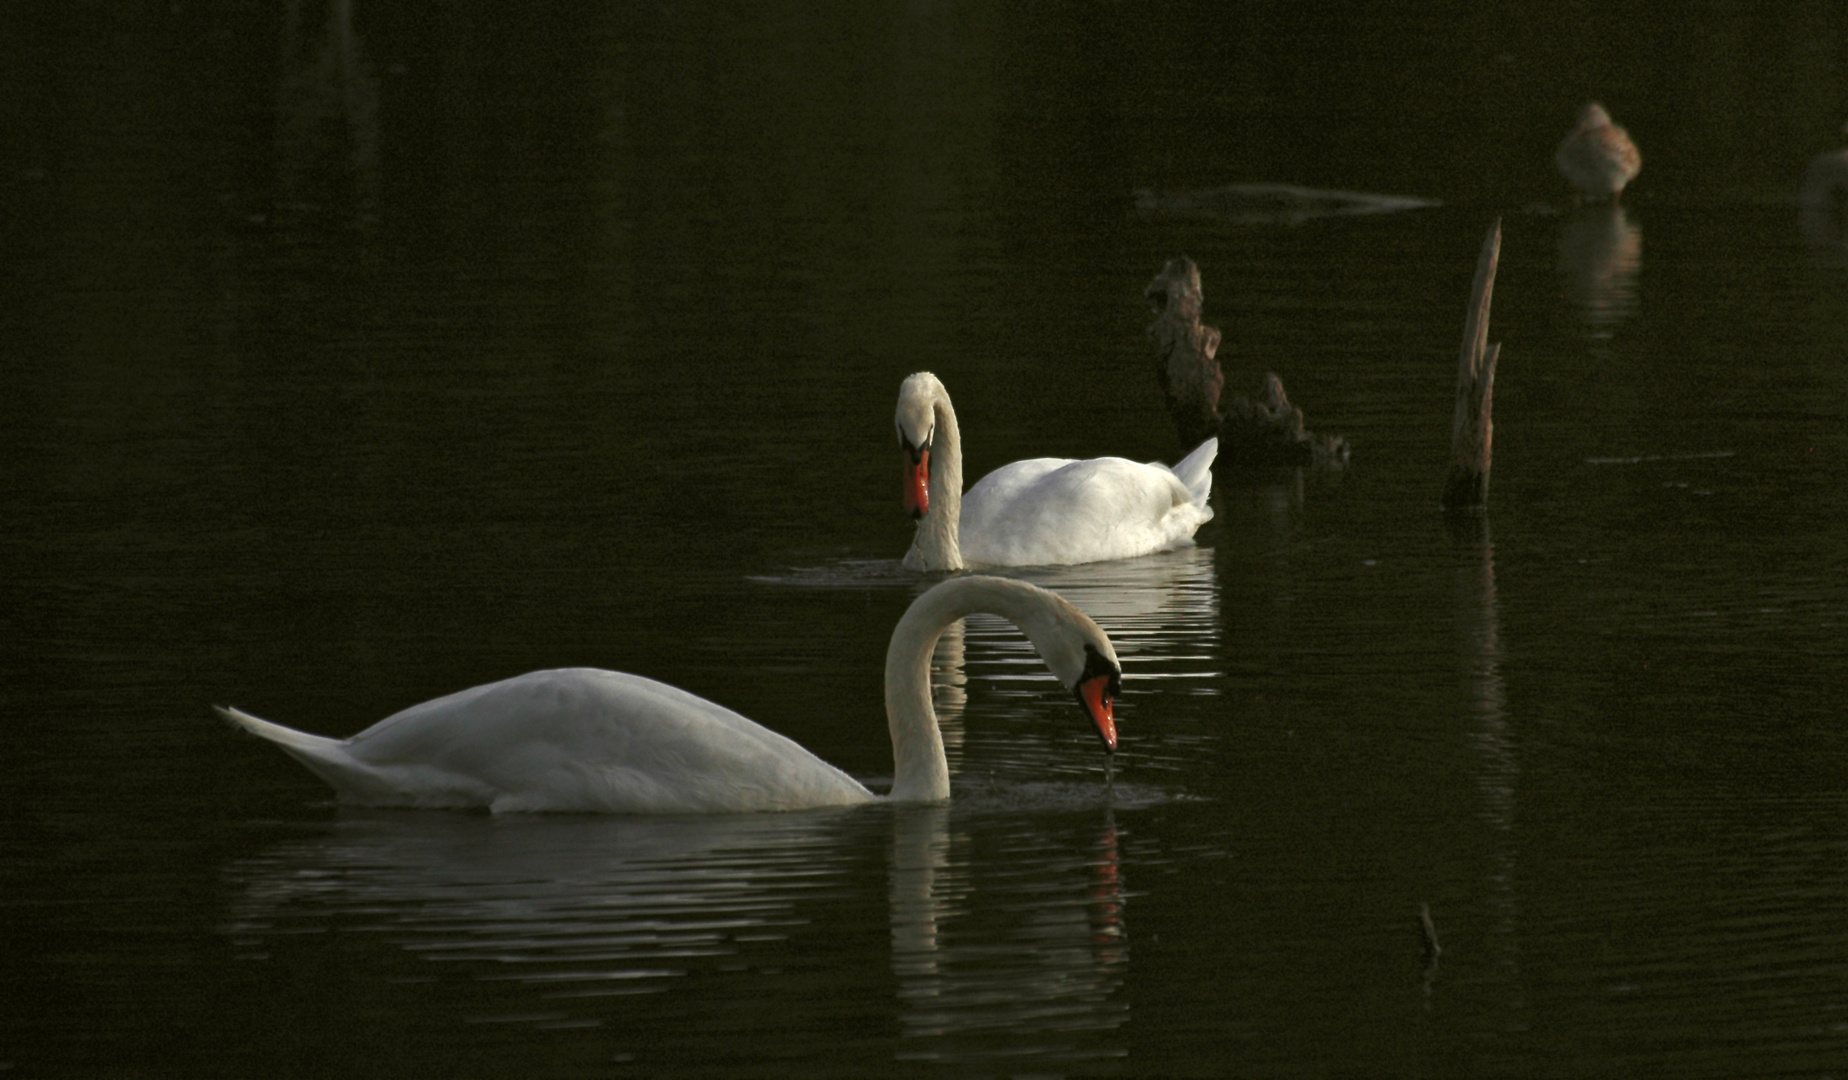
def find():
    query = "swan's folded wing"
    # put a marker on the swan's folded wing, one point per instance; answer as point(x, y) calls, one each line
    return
point(1049, 511)
point(582, 739)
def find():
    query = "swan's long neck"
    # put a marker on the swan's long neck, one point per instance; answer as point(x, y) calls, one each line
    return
point(920, 773)
point(937, 546)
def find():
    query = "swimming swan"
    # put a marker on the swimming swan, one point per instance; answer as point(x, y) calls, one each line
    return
point(582, 739)
point(1597, 157)
point(1042, 511)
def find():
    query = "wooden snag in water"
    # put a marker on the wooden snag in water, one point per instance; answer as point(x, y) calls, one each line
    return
point(1184, 352)
point(1472, 434)
point(1267, 432)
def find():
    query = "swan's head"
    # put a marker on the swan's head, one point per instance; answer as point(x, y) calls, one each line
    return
point(1080, 655)
point(1097, 689)
point(917, 429)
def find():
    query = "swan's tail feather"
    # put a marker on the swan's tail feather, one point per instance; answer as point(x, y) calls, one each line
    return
point(359, 782)
point(1196, 471)
point(299, 744)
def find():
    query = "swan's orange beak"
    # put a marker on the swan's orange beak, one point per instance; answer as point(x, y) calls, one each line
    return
point(1094, 695)
point(917, 485)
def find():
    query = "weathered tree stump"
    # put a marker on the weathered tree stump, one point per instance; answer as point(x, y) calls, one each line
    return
point(1472, 433)
point(1265, 433)
point(1184, 366)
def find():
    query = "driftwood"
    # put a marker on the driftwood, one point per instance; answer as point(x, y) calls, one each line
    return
point(1472, 433)
point(1265, 433)
point(1272, 204)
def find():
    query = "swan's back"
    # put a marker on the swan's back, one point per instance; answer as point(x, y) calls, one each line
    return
point(575, 739)
point(1054, 511)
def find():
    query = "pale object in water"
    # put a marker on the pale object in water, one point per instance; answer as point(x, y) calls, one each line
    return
point(1598, 158)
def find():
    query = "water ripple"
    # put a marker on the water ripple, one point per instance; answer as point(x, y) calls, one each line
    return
point(1008, 939)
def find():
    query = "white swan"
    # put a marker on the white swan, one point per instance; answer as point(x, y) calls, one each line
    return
point(1042, 511)
point(581, 739)
point(1597, 157)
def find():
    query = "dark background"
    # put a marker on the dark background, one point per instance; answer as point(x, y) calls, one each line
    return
point(358, 354)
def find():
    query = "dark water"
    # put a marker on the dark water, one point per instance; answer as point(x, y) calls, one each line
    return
point(358, 356)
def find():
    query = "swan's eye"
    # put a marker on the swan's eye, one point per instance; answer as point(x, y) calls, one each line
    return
point(917, 450)
point(1097, 690)
point(1099, 706)
point(1096, 667)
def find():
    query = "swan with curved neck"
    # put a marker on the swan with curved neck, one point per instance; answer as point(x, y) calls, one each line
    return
point(581, 739)
point(1041, 511)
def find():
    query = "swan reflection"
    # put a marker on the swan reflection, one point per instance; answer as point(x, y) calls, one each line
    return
point(1161, 612)
point(1026, 966)
point(576, 907)
point(949, 692)
point(1006, 930)
point(1600, 254)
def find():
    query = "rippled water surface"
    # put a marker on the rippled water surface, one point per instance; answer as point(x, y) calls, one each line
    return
point(357, 355)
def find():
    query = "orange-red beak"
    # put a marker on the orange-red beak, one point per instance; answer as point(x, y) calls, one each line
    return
point(1100, 706)
point(917, 484)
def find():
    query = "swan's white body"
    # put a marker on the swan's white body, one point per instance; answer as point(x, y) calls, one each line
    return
point(1597, 157)
point(1042, 511)
point(581, 739)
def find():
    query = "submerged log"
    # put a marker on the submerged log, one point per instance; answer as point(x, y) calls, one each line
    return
point(1265, 433)
point(1472, 432)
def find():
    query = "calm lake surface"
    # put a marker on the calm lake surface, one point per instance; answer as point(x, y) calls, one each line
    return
point(357, 355)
